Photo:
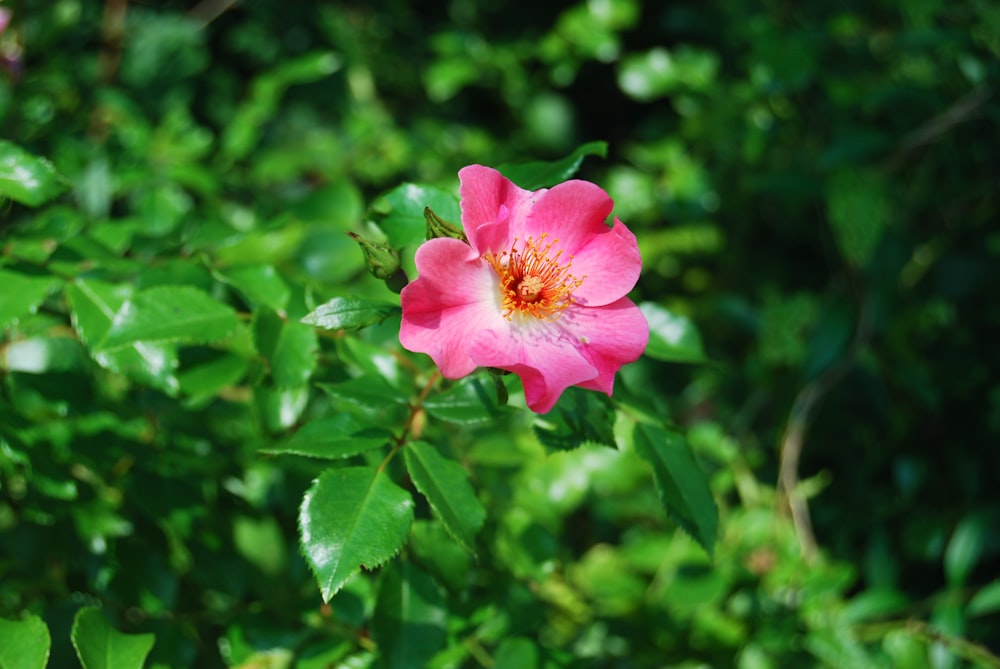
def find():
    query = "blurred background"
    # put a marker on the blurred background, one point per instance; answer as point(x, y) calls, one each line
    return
point(813, 185)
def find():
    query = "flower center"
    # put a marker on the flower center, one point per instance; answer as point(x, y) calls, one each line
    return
point(533, 280)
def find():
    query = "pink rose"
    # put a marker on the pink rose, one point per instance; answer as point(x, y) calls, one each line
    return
point(539, 289)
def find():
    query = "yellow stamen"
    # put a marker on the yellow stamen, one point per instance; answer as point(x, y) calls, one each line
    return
point(533, 281)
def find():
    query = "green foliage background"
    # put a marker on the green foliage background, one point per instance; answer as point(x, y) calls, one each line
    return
point(814, 190)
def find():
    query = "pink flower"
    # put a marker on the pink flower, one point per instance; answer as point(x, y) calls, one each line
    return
point(539, 289)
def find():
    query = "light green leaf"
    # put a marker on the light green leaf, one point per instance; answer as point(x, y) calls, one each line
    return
point(410, 618)
point(350, 313)
point(93, 305)
point(516, 653)
point(986, 600)
point(544, 174)
point(24, 644)
point(682, 486)
point(446, 486)
point(100, 646)
point(169, 314)
point(964, 549)
point(289, 346)
point(339, 436)
point(260, 285)
point(404, 224)
point(352, 518)
point(26, 178)
point(21, 295)
point(208, 378)
point(672, 337)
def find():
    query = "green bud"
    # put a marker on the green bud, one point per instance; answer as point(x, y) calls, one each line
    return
point(383, 261)
point(438, 227)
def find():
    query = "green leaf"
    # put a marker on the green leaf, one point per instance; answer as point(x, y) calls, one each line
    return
point(289, 346)
point(516, 653)
point(352, 518)
point(409, 621)
point(544, 174)
point(350, 313)
point(469, 402)
point(446, 486)
point(578, 417)
point(986, 600)
point(93, 306)
point(672, 337)
point(260, 285)
point(208, 378)
point(404, 223)
point(334, 437)
point(24, 644)
point(370, 397)
point(21, 295)
point(100, 646)
point(964, 549)
point(858, 209)
point(682, 486)
point(26, 178)
point(169, 314)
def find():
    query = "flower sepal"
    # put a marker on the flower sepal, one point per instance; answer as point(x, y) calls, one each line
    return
point(437, 227)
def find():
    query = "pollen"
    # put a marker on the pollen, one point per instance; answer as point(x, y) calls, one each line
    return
point(535, 279)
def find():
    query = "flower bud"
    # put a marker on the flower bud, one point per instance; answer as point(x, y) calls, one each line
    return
point(383, 261)
point(438, 227)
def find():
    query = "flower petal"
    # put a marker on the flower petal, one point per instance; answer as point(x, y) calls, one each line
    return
point(607, 337)
point(539, 353)
point(491, 204)
point(572, 212)
point(455, 296)
point(611, 263)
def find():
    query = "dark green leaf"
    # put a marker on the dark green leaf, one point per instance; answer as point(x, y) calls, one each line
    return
point(544, 174)
point(339, 436)
point(370, 397)
point(672, 337)
point(350, 313)
point(259, 284)
point(100, 646)
point(169, 314)
point(578, 417)
point(446, 486)
point(290, 348)
point(516, 653)
point(24, 644)
point(986, 600)
point(858, 210)
point(410, 618)
point(469, 401)
point(26, 178)
point(352, 518)
point(438, 552)
point(21, 295)
point(208, 378)
point(681, 484)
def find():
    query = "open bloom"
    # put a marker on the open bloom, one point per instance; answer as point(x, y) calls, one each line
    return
point(538, 290)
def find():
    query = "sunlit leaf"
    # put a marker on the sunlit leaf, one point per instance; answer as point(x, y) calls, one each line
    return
point(410, 618)
point(260, 284)
point(26, 178)
point(516, 653)
point(169, 314)
point(404, 223)
point(99, 646)
point(446, 486)
point(350, 313)
point(21, 295)
point(672, 337)
point(24, 644)
point(352, 518)
point(544, 174)
point(682, 485)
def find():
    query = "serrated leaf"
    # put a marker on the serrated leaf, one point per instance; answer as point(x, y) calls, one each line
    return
point(169, 314)
point(672, 337)
point(93, 305)
point(100, 646)
point(352, 518)
point(410, 617)
point(682, 486)
point(350, 313)
point(21, 295)
point(579, 416)
point(26, 178)
point(24, 644)
point(468, 402)
point(334, 437)
point(544, 174)
point(446, 486)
